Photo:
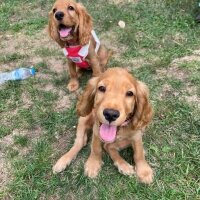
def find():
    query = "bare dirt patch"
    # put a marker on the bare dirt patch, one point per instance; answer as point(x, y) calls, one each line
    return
point(53, 197)
point(8, 142)
point(21, 43)
point(191, 58)
point(57, 65)
point(177, 38)
point(172, 72)
point(193, 100)
point(189, 93)
point(6, 117)
point(42, 76)
point(175, 71)
point(197, 52)
point(195, 57)
point(48, 88)
point(26, 99)
point(191, 96)
point(62, 144)
point(32, 135)
point(26, 46)
point(136, 62)
point(5, 175)
point(63, 141)
point(64, 100)
point(63, 103)
point(167, 90)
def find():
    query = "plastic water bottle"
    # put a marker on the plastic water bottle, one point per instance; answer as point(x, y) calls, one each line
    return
point(17, 74)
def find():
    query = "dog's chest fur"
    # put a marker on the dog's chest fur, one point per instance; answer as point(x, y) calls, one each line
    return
point(125, 133)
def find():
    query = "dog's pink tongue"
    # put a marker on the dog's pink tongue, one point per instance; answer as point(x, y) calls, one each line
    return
point(64, 32)
point(108, 132)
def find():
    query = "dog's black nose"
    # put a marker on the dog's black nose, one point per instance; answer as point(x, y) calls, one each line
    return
point(111, 114)
point(59, 15)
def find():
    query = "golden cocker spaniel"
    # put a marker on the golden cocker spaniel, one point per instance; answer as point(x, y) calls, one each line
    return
point(116, 106)
point(71, 27)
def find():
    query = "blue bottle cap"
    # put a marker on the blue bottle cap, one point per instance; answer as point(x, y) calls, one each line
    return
point(33, 71)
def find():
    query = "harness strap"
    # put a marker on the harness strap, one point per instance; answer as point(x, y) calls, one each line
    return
point(96, 39)
point(84, 50)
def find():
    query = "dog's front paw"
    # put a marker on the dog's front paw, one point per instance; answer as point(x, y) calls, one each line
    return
point(73, 85)
point(125, 168)
point(144, 173)
point(92, 167)
point(60, 165)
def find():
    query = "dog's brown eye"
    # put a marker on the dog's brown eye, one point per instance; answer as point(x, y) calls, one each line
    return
point(54, 10)
point(102, 88)
point(129, 94)
point(70, 8)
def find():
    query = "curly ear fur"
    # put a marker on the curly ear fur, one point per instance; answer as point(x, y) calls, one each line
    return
point(85, 25)
point(143, 110)
point(53, 33)
point(86, 100)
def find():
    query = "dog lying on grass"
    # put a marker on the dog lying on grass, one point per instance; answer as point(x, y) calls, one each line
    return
point(116, 107)
point(71, 27)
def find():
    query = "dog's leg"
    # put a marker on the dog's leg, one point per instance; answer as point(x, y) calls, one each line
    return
point(93, 59)
point(73, 82)
point(104, 55)
point(79, 72)
point(123, 166)
point(98, 62)
point(84, 124)
point(143, 170)
point(94, 162)
point(95, 65)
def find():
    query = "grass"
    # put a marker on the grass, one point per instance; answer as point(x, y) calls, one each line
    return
point(157, 33)
point(21, 140)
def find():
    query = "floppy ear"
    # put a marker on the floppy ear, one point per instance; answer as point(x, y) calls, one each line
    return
point(53, 32)
point(143, 112)
point(85, 25)
point(86, 100)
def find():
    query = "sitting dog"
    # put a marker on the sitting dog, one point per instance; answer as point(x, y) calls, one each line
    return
point(71, 27)
point(116, 106)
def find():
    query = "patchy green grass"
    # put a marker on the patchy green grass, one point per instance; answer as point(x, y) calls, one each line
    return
point(11, 57)
point(21, 140)
point(160, 45)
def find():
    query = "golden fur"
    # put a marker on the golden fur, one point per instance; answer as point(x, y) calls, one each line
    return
point(77, 18)
point(114, 89)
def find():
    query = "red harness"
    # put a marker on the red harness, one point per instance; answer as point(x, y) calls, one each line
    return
point(74, 56)
point(77, 54)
